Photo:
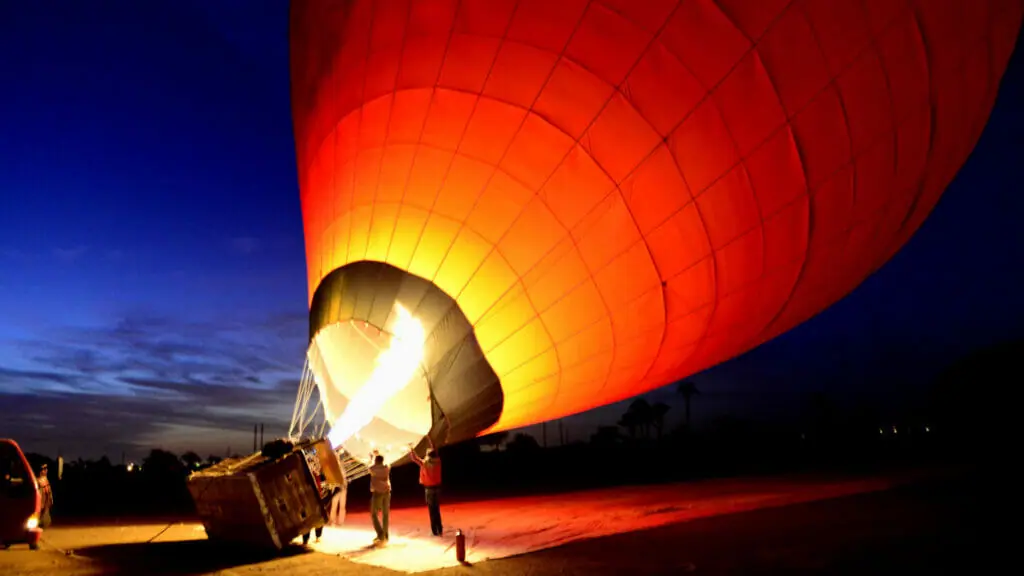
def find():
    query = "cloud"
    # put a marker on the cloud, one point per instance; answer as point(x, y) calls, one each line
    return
point(15, 254)
point(13, 380)
point(244, 244)
point(70, 254)
point(148, 380)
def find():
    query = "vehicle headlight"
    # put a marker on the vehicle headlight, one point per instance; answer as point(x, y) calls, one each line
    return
point(32, 523)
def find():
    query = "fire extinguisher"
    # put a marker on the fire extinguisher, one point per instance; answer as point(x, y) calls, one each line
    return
point(460, 546)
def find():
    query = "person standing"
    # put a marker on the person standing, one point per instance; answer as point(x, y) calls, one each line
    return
point(325, 494)
point(380, 496)
point(337, 505)
point(45, 497)
point(430, 479)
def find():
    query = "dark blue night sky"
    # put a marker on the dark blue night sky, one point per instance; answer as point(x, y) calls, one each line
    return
point(152, 275)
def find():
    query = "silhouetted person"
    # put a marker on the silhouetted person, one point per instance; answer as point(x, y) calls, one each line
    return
point(45, 497)
point(325, 495)
point(319, 532)
point(430, 479)
point(339, 495)
point(380, 496)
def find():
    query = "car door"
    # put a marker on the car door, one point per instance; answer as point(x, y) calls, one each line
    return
point(19, 495)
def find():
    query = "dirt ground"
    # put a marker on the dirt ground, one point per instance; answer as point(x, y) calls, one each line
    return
point(929, 526)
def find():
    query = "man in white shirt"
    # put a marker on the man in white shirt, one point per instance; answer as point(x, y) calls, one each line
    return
point(380, 499)
point(338, 497)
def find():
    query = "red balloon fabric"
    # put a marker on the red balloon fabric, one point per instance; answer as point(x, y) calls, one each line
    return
point(620, 193)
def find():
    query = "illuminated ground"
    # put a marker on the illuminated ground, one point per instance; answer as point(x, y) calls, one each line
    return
point(786, 524)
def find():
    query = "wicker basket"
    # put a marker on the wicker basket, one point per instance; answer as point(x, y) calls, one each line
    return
point(260, 501)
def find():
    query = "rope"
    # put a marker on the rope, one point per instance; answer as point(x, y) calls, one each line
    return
point(353, 468)
point(70, 552)
point(298, 401)
point(308, 393)
point(168, 527)
point(44, 542)
point(307, 384)
point(312, 415)
point(298, 397)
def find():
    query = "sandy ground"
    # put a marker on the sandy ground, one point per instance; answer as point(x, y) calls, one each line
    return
point(588, 530)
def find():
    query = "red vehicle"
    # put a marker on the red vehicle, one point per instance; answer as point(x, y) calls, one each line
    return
point(19, 498)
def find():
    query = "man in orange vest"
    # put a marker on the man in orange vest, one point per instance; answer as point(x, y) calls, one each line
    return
point(430, 478)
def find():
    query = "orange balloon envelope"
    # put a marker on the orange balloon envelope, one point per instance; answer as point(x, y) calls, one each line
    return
point(584, 200)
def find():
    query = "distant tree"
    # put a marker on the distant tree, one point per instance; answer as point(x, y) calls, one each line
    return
point(161, 463)
point(36, 461)
point(628, 421)
point(466, 451)
point(658, 412)
point(494, 440)
point(212, 460)
point(822, 416)
point(638, 417)
point(731, 430)
point(964, 418)
point(605, 436)
point(687, 390)
point(522, 443)
point(191, 460)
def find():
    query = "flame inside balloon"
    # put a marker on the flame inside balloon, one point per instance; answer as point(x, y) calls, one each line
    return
point(373, 390)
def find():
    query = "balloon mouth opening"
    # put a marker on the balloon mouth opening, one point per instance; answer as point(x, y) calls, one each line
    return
point(373, 389)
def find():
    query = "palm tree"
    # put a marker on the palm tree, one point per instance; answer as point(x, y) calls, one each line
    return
point(639, 416)
point(644, 415)
point(687, 390)
point(628, 421)
point(658, 411)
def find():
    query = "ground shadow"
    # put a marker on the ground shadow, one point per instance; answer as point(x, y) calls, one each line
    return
point(185, 557)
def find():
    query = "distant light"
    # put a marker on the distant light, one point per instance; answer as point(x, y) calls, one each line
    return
point(32, 523)
point(880, 431)
point(927, 429)
point(131, 466)
point(894, 430)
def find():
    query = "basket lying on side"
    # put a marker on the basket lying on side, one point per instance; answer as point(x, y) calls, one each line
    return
point(266, 499)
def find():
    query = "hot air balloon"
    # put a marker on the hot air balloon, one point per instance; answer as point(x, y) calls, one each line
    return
point(518, 210)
